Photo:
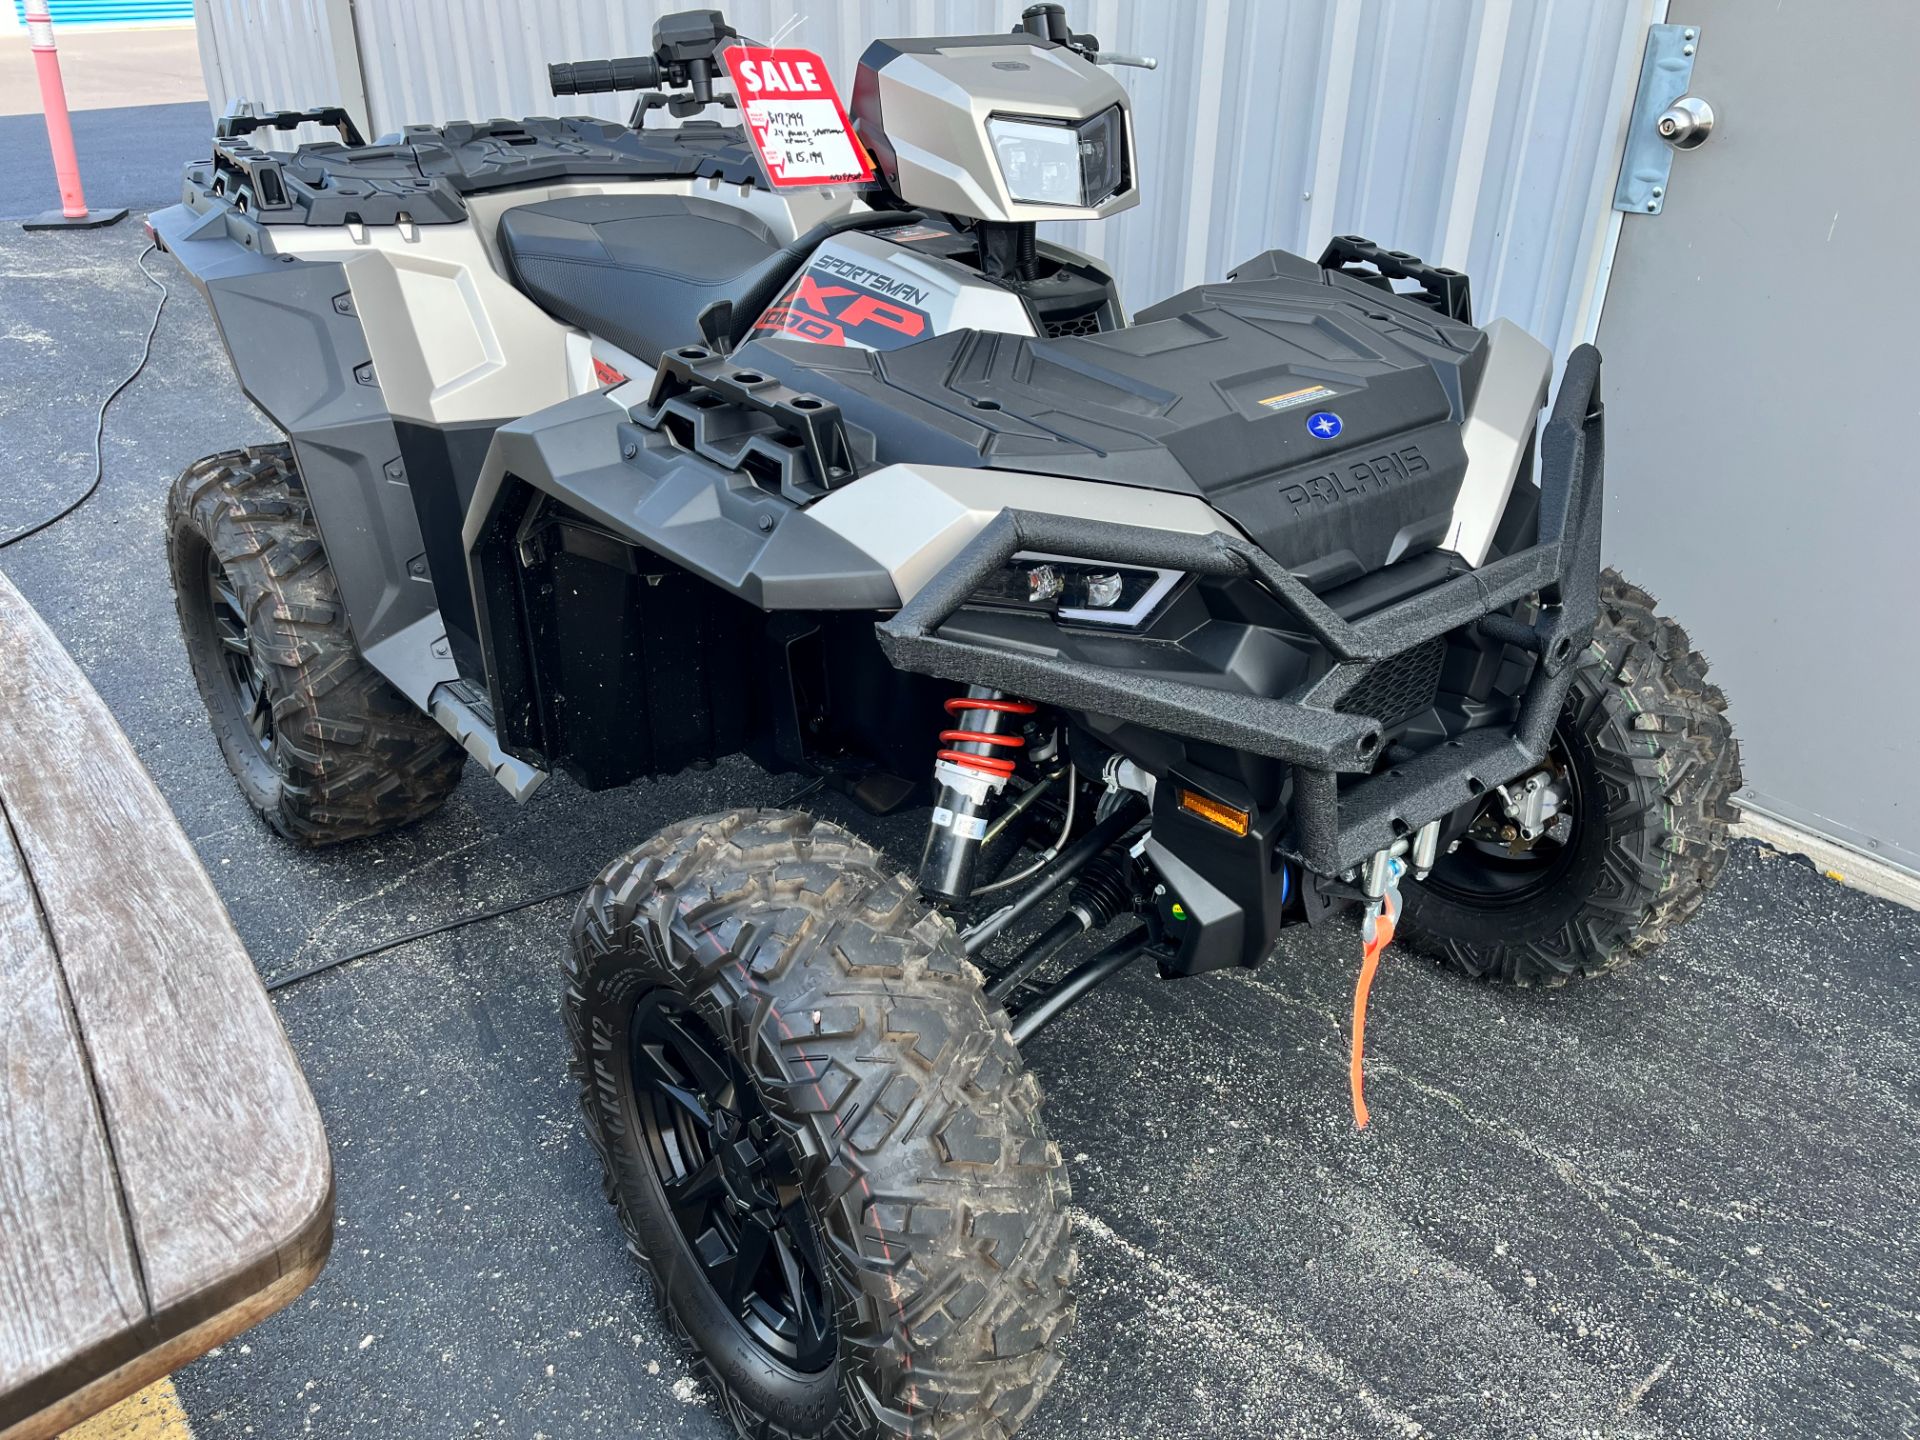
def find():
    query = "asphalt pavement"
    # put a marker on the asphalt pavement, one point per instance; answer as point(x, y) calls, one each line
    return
point(129, 156)
point(1681, 1202)
point(138, 108)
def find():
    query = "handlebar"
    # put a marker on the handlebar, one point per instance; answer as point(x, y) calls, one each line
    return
point(688, 42)
point(684, 46)
point(597, 77)
point(1048, 21)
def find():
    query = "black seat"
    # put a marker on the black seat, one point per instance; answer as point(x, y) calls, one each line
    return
point(634, 269)
point(640, 269)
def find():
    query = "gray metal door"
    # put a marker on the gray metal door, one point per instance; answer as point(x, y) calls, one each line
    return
point(1762, 344)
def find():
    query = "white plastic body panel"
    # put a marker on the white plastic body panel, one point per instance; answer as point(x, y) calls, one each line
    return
point(583, 374)
point(913, 519)
point(454, 341)
point(1498, 434)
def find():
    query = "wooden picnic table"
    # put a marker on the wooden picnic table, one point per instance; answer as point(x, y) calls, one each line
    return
point(164, 1177)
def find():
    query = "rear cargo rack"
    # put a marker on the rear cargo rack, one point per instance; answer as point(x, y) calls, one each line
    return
point(256, 179)
point(423, 174)
point(1331, 832)
point(229, 127)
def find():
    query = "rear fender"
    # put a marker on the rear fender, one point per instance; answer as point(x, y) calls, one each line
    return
point(294, 335)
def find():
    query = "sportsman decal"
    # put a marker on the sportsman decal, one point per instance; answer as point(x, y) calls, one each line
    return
point(839, 302)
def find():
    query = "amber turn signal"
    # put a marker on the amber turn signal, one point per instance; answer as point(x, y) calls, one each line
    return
point(1213, 812)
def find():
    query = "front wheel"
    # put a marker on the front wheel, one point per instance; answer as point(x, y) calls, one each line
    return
point(818, 1137)
point(1631, 830)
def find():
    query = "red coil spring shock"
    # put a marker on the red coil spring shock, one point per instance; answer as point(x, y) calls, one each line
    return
point(969, 778)
point(997, 766)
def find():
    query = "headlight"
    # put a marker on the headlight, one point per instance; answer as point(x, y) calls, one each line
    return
point(1059, 162)
point(1086, 591)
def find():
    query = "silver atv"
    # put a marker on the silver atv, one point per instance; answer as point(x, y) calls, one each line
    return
point(1273, 604)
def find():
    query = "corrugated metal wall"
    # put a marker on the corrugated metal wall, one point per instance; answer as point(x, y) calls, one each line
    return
point(1482, 134)
point(281, 55)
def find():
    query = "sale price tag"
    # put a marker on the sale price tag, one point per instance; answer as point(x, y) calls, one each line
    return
point(795, 117)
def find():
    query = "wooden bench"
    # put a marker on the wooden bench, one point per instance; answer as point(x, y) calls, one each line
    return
point(164, 1177)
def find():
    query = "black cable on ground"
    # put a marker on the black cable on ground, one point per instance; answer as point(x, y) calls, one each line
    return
point(458, 923)
point(100, 420)
point(818, 782)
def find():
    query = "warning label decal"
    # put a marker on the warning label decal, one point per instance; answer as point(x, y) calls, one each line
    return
point(1292, 398)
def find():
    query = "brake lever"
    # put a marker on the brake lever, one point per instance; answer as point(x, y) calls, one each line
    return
point(1048, 21)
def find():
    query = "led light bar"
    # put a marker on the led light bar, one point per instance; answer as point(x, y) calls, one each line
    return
point(1087, 592)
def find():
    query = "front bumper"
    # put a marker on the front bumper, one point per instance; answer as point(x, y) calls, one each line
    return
point(1330, 832)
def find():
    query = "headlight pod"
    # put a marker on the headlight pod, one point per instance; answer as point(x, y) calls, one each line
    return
point(1087, 592)
point(1061, 162)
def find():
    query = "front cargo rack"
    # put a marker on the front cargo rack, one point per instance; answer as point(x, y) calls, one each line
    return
point(1360, 259)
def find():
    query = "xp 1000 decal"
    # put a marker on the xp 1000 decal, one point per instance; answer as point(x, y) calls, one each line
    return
point(839, 301)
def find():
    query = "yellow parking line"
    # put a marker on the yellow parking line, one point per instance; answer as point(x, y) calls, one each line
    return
point(153, 1414)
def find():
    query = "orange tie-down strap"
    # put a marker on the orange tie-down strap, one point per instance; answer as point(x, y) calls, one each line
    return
point(1369, 962)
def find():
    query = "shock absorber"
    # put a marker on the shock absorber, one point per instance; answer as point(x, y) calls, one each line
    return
point(972, 767)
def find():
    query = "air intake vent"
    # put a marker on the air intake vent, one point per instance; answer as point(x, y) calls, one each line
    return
point(1088, 324)
point(1400, 688)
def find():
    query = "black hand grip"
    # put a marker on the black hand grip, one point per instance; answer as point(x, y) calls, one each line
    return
point(597, 77)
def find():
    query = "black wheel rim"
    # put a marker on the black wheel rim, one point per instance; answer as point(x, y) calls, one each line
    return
point(245, 686)
point(730, 1180)
point(1489, 871)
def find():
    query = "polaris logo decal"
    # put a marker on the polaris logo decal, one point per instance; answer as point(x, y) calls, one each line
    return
point(1353, 478)
point(1325, 424)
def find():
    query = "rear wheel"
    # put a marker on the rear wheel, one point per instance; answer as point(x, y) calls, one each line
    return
point(1639, 781)
point(818, 1137)
point(324, 748)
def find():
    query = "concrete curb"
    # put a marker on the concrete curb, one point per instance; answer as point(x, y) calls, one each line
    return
point(1837, 862)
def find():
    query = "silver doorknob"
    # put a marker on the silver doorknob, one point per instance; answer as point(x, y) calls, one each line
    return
point(1685, 123)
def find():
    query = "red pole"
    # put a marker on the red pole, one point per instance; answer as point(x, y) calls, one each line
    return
point(53, 100)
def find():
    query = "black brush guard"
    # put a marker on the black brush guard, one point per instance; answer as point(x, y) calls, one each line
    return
point(1330, 833)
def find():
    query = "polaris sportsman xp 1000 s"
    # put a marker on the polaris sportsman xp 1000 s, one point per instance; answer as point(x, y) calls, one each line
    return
point(613, 450)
